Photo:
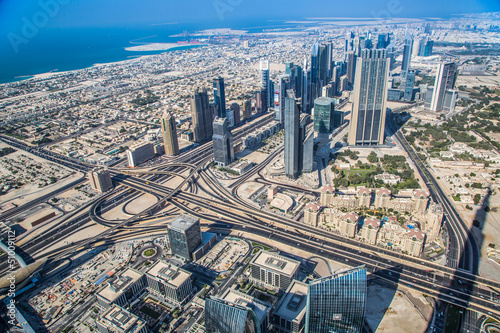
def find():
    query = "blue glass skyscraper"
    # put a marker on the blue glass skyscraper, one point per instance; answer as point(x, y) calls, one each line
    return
point(220, 97)
point(337, 303)
point(225, 317)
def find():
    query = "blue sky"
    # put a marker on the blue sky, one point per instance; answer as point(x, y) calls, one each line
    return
point(98, 13)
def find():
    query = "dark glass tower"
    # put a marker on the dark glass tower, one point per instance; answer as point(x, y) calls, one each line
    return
point(410, 82)
point(337, 303)
point(222, 142)
point(226, 317)
point(265, 85)
point(407, 51)
point(220, 97)
point(201, 116)
point(184, 235)
point(367, 124)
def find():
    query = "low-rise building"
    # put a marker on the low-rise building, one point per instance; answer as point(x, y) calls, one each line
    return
point(289, 315)
point(119, 320)
point(169, 283)
point(122, 290)
point(273, 271)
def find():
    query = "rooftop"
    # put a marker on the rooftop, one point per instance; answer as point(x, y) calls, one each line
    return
point(275, 262)
point(121, 320)
point(293, 303)
point(183, 222)
point(260, 308)
point(116, 287)
point(168, 273)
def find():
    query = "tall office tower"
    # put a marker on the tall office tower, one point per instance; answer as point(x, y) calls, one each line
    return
point(306, 89)
point(247, 110)
point(427, 28)
point(329, 61)
point(258, 102)
point(184, 235)
point(415, 48)
point(315, 63)
point(237, 114)
point(292, 138)
point(445, 80)
point(264, 84)
point(426, 45)
point(410, 82)
point(100, 180)
point(370, 97)
point(351, 67)
point(383, 41)
point(337, 303)
point(323, 114)
point(220, 97)
point(407, 50)
point(222, 316)
point(284, 84)
point(169, 129)
point(323, 65)
point(201, 115)
point(222, 142)
point(306, 143)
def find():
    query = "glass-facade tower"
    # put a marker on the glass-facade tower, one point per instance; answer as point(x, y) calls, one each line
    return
point(226, 317)
point(220, 97)
point(367, 123)
point(337, 303)
point(184, 235)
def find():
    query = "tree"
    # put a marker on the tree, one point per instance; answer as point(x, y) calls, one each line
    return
point(477, 199)
point(372, 158)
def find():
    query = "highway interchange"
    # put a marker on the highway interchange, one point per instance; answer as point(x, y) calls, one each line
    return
point(222, 209)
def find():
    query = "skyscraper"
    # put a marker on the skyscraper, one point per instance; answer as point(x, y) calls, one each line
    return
point(100, 180)
point(323, 114)
point(236, 110)
point(169, 129)
point(264, 85)
point(445, 80)
point(201, 115)
point(337, 303)
point(280, 93)
point(426, 45)
point(410, 82)
point(351, 67)
point(220, 97)
point(292, 137)
point(306, 143)
point(184, 235)
point(222, 142)
point(227, 317)
point(407, 51)
point(247, 110)
point(370, 97)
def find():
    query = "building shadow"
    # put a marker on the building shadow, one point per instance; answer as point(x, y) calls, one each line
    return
point(382, 288)
point(456, 317)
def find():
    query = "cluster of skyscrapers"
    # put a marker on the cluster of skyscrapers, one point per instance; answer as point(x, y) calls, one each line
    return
point(334, 303)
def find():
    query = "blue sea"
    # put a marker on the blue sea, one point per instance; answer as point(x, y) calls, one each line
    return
point(54, 50)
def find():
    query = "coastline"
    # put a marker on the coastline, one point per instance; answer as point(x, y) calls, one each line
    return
point(153, 47)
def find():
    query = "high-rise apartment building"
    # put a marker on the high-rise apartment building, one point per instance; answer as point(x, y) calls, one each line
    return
point(222, 142)
point(351, 67)
point(184, 235)
point(201, 115)
point(367, 124)
point(100, 180)
point(220, 96)
point(169, 130)
point(337, 303)
point(445, 80)
point(140, 152)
